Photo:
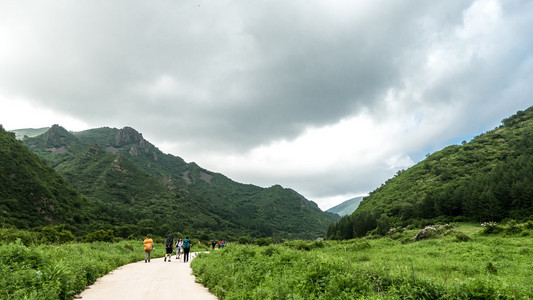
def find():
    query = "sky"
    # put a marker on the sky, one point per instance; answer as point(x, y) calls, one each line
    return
point(327, 97)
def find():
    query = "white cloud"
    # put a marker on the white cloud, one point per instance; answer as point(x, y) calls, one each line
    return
point(17, 113)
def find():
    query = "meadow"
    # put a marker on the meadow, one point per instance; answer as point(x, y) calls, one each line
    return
point(464, 261)
point(448, 262)
point(30, 269)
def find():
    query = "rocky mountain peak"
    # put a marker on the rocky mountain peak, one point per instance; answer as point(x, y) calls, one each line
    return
point(127, 136)
point(57, 136)
point(56, 129)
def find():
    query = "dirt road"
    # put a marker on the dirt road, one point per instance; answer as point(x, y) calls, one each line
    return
point(154, 280)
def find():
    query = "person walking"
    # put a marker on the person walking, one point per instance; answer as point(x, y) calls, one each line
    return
point(168, 246)
point(213, 244)
point(179, 245)
point(148, 246)
point(186, 249)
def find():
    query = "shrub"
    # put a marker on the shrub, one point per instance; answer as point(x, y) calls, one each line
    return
point(512, 227)
point(491, 268)
point(529, 224)
point(395, 230)
point(317, 244)
point(490, 227)
point(10, 235)
point(100, 235)
point(56, 235)
point(431, 232)
point(461, 237)
point(264, 242)
point(271, 250)
point(245, 240)
point(298, 245)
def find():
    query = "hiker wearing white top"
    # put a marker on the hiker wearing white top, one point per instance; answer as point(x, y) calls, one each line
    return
point(179, 245)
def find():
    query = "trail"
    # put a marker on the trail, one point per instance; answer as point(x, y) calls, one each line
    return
point(154, 280)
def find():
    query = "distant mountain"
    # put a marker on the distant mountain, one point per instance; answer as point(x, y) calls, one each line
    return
point(487, 179)
point(347, 207)
point(32, 194)
point(143, 189)
point(30, 132)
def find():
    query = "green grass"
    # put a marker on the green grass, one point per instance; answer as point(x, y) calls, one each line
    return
point(32, 268)
point(61, 271)
point(447, 267)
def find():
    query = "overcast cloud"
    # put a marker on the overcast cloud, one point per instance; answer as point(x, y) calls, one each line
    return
point(330, 98)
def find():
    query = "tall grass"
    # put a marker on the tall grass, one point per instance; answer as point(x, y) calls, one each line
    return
point(60, 271)
point(447, 267)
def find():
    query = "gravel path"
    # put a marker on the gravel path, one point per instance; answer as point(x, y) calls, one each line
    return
point(154, 280)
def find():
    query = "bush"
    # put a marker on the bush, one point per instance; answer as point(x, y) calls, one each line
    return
point(529, 225)
point(491, 268)
point(245, 240)
point(56, 235)
point(304, 245)
point(10, 235)
point(490, 227)
point(512, 227)
point(264, 242)
point(462, 237)
point(431, 232)
point(100, 236)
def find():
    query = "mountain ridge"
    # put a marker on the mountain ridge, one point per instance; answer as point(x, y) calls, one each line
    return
point(347, 207)
point(486, 179)
point(99, 163)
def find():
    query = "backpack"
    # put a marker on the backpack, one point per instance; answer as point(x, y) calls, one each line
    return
point(169, 242)
point(186, 244)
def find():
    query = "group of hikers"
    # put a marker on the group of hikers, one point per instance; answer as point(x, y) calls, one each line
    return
point(172, 247)
point(221, 244)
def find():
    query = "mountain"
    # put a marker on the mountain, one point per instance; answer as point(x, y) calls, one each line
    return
point(139, 187)
point(32, 194)
point(54, 145)
point(347, 207)
point(30, 132)
point(487, 179)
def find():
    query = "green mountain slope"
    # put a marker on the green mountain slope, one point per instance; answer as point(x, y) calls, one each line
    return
point(488, 179)
point(139, 184)
point(31, 193)
point(55, 145)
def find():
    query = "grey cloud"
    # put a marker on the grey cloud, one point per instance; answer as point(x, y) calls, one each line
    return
point(269, 69)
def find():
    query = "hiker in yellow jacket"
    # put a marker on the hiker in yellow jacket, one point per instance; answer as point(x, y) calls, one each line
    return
point(148, 246)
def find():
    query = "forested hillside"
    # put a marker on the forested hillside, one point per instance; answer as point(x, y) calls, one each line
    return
point(31, 193)
point(140, 189)
point(487, 179)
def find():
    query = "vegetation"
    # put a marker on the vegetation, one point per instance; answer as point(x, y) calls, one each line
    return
point(32, 194)
point(131, 188)
point(453, 263)
point(31, 270)
point(487, 179)
point(116, 185)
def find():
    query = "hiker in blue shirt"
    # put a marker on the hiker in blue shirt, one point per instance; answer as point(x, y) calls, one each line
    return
point(186, 249)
